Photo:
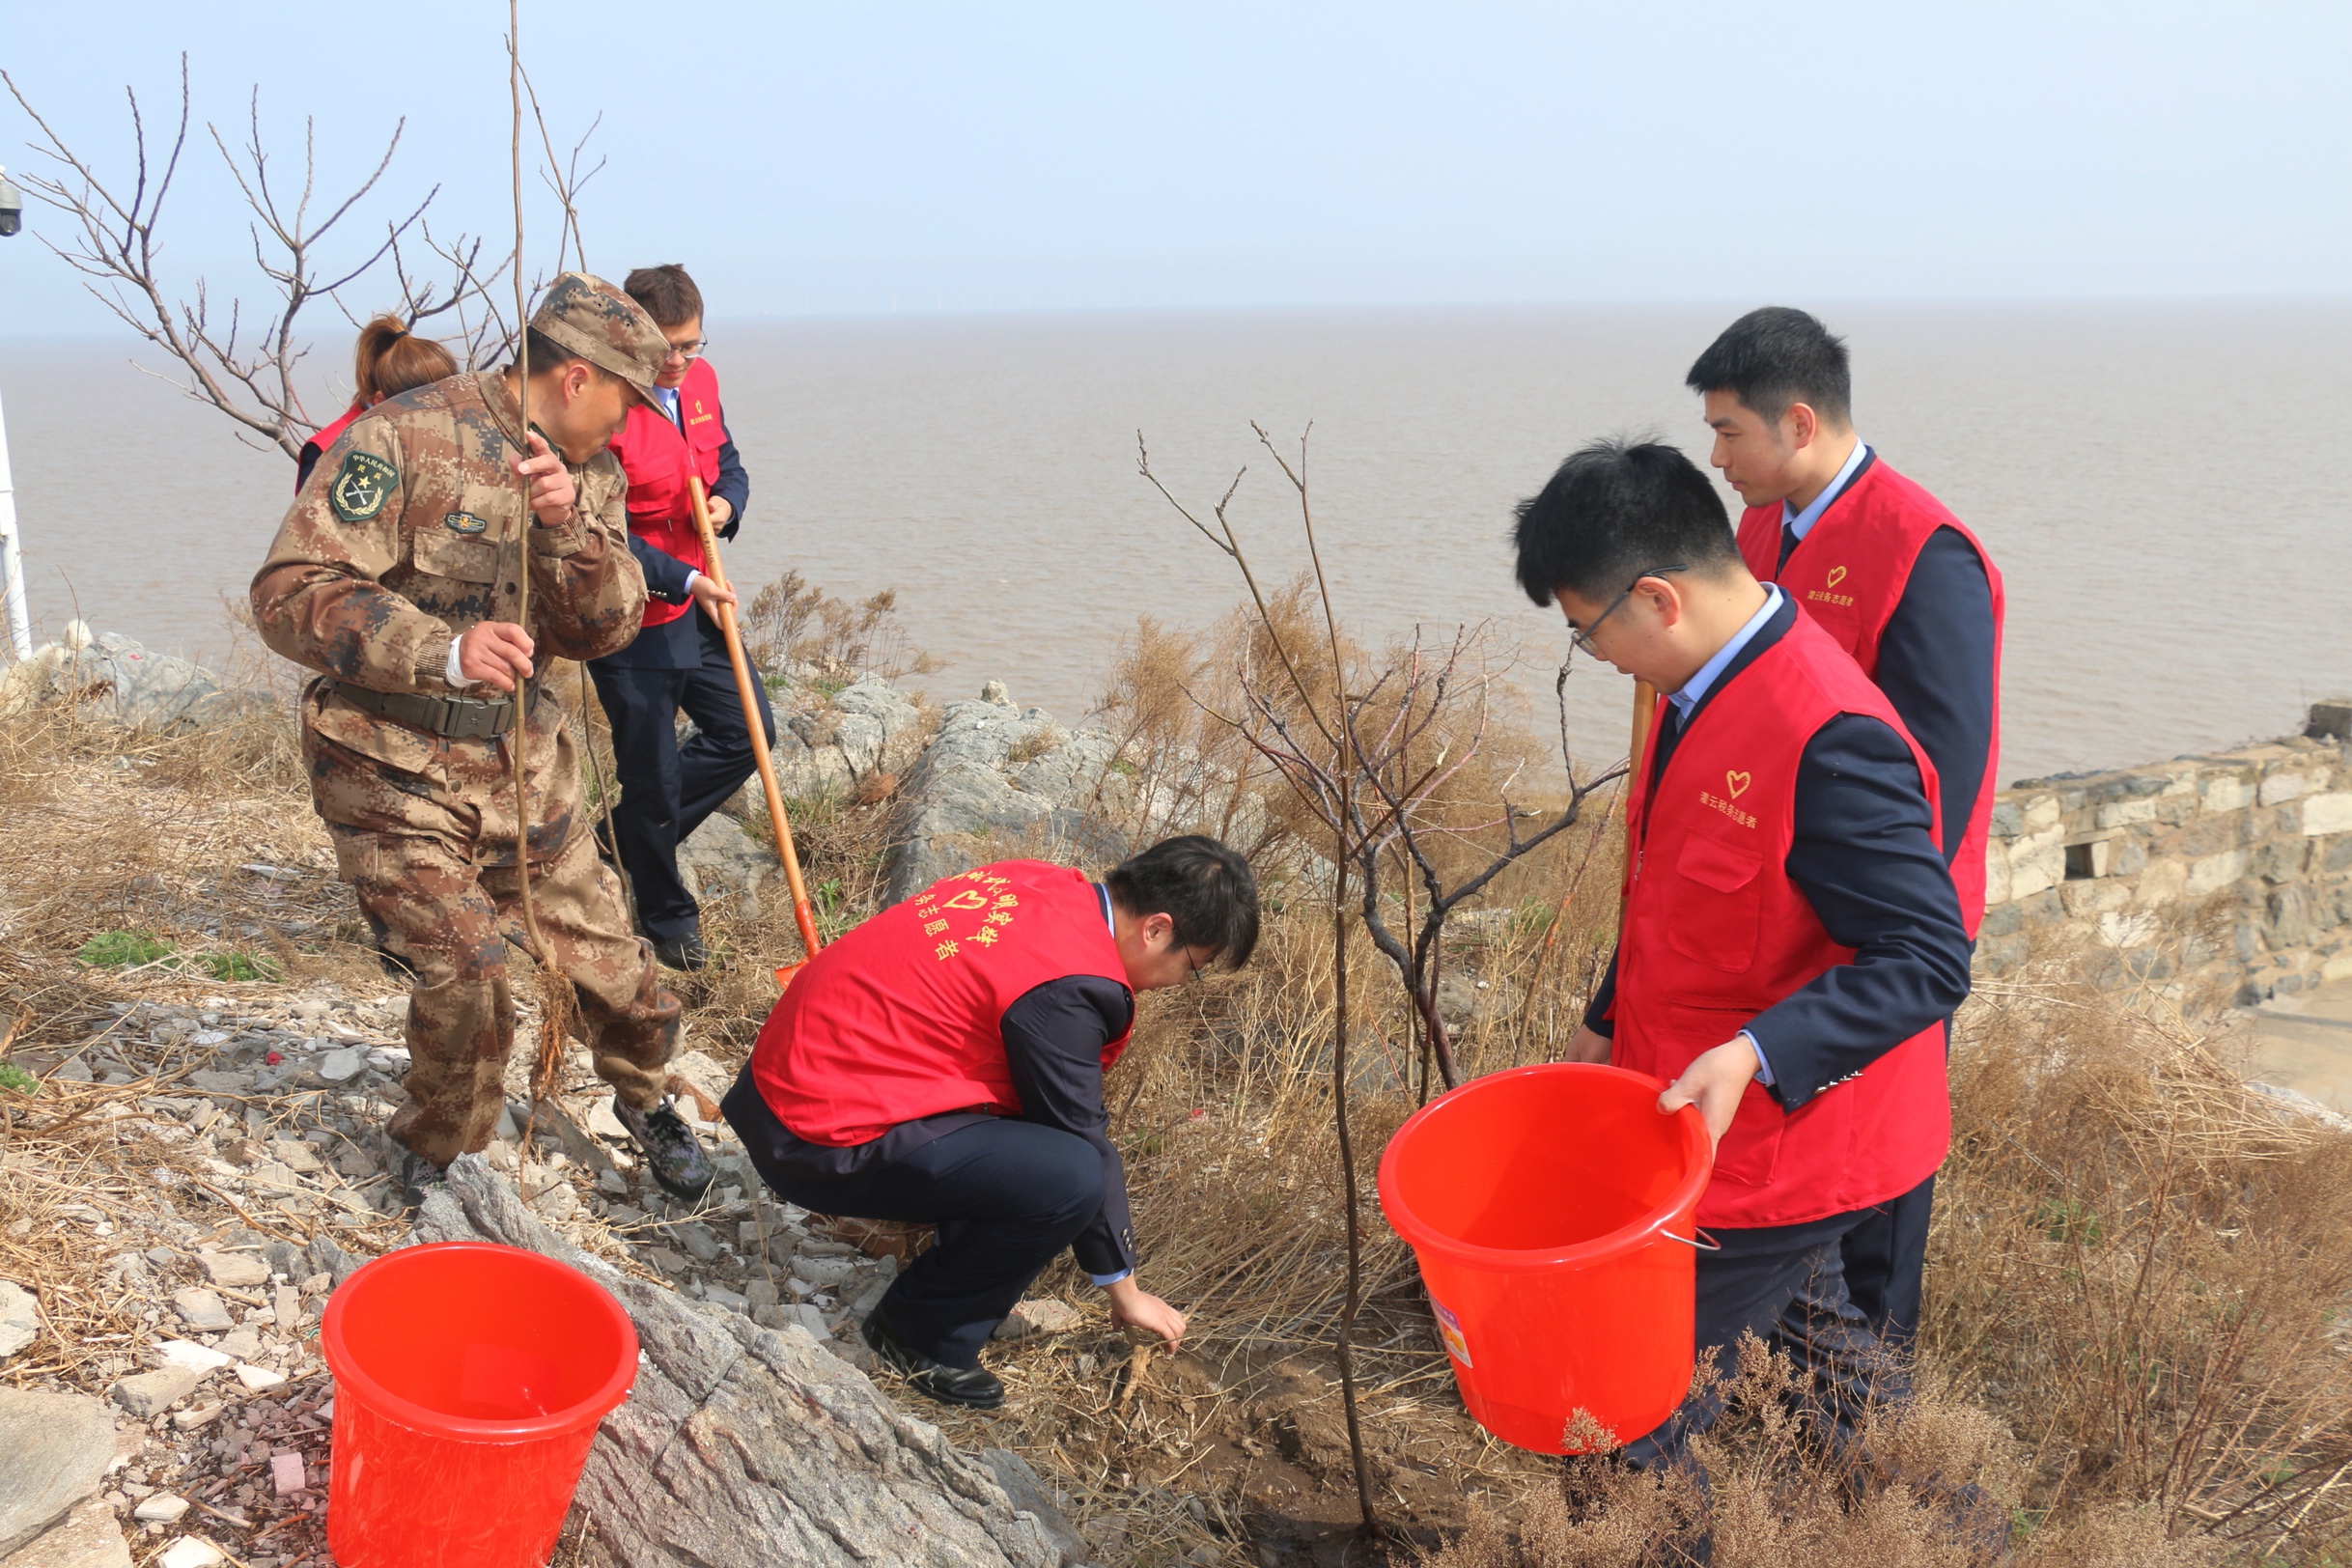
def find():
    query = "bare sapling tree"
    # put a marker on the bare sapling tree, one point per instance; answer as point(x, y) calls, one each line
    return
point(1422, 718)
point(1301, 729)
point(1375, 749)
point(242, 358)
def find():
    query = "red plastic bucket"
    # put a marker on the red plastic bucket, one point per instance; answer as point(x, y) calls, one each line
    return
point(1550, 1209)
point(470, 1379)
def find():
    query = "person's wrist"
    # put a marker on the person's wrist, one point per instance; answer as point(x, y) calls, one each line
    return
point(1758, 1067)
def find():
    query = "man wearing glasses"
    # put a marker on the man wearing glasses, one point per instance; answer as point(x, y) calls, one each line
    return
point(1791, 940)
point(942, 1064)
point(679, 659)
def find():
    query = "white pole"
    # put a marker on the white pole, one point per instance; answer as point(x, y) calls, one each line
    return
point(12, 565)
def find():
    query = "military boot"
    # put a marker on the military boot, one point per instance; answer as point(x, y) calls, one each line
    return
point(413, 1170)
point(672, 1153)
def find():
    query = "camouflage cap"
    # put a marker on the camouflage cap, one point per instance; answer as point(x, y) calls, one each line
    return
point(590, 317)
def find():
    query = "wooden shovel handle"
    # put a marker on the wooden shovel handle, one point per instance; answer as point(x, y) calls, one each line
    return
point(801, 912)
point(1645, 706)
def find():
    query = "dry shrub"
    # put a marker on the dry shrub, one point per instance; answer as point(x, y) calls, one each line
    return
point(792, 621)
point(2144, 1265)
point(2134, 1338)
point(1181, 706)
point(844, 848)
point(1923, 1485)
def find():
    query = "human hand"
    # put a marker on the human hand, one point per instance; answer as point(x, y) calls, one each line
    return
point(1588, 1046)
point(721, 511)
point(1714, 1082)
point(495, 653)
point(709, 596)
point(1132, 1307)
point(552, 495)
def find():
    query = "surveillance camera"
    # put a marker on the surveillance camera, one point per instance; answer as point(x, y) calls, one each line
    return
point(12, 206)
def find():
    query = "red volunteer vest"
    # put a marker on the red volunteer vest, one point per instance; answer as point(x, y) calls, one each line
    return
point(324, 440)
point(1716, 933)
point(900, 1018)
point(658, 456)
point(1848, 573)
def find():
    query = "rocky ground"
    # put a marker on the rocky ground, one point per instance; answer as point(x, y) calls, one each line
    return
point(192, 1167)
point(245, 1179)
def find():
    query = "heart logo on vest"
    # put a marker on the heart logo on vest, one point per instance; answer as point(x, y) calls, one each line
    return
point(1838, 574)
point(1738, 782)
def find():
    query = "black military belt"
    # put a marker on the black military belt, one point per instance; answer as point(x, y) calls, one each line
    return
point(457, 718)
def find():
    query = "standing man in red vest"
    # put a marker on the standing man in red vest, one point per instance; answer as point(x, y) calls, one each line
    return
point(1791, 942)
point(1898, 582)
point(944, 1064)
point(679, 659)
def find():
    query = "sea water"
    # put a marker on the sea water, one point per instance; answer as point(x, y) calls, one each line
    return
point(2162, 486)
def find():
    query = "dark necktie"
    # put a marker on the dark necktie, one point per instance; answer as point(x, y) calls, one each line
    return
point(1788, 548)
point(1670, 732)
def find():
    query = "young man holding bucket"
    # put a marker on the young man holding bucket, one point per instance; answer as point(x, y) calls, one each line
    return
point(944, 1064)
point(1791, 942)
point(1905, 588)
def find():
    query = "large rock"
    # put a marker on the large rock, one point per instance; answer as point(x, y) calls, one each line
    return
point(828, 748)
point(742, 1446)
point(19, 1318)
point(723, 855)
point(57, 1448)
point(89, 1538)
point(112, 679)
point(996, 782)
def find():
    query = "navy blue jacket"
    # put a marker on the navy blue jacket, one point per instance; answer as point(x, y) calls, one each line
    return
point(1865, 857)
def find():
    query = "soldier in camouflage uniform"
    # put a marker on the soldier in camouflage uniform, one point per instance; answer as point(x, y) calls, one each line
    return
point(396, 576)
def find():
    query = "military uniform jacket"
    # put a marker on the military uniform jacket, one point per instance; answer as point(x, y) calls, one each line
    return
point(409, 532)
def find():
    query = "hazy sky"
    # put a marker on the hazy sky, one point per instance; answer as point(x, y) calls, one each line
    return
point(861, 157)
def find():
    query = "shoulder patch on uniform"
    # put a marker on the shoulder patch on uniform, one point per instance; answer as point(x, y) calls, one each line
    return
point(362, 487)
point(464, 522)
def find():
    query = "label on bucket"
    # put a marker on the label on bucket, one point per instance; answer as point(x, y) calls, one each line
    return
point(1449, 1329)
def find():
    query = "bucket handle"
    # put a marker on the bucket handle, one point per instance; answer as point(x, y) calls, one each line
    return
point(1704, 1244)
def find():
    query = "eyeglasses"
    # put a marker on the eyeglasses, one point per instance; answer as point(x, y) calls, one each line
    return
point(689, 350)
point(1582, 640)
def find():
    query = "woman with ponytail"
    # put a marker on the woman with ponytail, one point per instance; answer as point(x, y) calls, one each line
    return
point(389, 360)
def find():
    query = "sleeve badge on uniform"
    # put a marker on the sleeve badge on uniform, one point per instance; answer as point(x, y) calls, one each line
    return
point(464, 522)
point(362, 486)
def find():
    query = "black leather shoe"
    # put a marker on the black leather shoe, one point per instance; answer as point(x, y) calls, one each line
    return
point(672, 1152)
point(973, 1386)
point(685, 953)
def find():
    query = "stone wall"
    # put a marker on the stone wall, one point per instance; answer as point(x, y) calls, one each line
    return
point(2221, 879)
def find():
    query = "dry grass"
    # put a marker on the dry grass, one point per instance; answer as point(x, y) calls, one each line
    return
point(2144, 1268)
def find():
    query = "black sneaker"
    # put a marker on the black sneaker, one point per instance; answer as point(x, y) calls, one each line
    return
point(413, 1171)
point(672, 1153)
point(685, 952)
point(971, 1385)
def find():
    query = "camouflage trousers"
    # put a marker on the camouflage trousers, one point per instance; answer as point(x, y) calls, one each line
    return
point(435, 878)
